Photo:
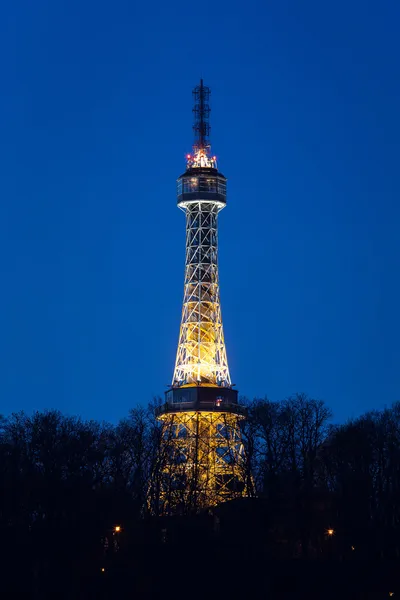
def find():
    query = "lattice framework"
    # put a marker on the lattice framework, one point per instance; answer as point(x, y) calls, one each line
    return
point(201, 462)
point(201, 355)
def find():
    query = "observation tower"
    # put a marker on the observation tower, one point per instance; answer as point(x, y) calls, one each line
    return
point(201, 460)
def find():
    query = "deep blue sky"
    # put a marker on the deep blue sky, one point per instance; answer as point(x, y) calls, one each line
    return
point(95, 121)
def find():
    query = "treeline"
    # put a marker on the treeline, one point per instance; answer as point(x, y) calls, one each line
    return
point(65, 483)
point(318, 476)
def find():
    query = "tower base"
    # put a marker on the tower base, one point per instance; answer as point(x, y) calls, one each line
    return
point(201, 460)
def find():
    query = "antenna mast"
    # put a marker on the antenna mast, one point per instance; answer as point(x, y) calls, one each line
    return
point(201, 111)
point(201, 127)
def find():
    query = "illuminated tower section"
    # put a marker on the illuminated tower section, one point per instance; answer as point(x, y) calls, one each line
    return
point(201, 356)
point(202, 453)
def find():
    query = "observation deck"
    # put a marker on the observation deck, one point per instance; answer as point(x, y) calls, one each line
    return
point(201, 184)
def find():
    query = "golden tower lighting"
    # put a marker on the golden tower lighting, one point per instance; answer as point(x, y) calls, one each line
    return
point(201, 460)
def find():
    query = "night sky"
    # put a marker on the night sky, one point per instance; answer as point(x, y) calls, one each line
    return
point(95, 122)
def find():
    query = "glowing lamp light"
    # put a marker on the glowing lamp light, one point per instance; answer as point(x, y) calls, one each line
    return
point(391, 594)
point(102, 569)
point(117, 528)
point(330, 532)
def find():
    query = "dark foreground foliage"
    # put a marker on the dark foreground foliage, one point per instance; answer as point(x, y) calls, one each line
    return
point(66, 483)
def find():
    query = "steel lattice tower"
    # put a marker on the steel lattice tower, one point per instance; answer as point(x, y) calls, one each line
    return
point(201, 461)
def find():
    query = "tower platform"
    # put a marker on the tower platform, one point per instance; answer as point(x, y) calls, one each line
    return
point(201, 398)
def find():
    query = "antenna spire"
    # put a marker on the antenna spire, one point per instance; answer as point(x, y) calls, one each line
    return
point(201, 111)
point(201, 127)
